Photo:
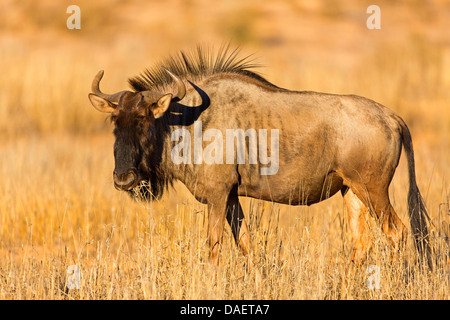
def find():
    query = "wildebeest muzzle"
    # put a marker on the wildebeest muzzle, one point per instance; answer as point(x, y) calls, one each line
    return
point(125, 180)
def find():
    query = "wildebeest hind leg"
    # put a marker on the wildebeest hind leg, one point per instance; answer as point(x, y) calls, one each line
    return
point(377, 200)
point(393, 227)
point(362, 243)
point(356, 211)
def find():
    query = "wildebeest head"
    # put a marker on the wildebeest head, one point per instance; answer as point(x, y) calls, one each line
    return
point(135, 116)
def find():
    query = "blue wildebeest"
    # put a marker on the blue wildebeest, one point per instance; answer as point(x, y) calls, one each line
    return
point(326, 143)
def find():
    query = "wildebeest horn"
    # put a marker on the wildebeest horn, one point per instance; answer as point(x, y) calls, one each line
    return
point(180, 85)
point(96, 89)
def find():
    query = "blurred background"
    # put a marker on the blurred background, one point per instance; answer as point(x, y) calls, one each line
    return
point(58, 206)
point(304, 45)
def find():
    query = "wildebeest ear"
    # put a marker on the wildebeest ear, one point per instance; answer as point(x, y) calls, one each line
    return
point(162, 105)
point(101, 104)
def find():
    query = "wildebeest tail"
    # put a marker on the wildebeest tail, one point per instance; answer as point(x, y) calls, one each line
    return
point(418, 215)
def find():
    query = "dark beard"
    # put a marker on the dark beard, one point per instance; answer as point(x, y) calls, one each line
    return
point(155, 176)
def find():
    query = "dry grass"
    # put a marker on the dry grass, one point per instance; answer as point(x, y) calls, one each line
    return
point(57, 204)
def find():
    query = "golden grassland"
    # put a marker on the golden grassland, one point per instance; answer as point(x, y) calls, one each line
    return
point(58, 206)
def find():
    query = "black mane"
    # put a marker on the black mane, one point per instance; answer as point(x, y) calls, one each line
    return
point(195, 65)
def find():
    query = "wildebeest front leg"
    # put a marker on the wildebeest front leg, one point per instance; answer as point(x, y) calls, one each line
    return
point(241, 233)
point(235, 217)
point(217, 213)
